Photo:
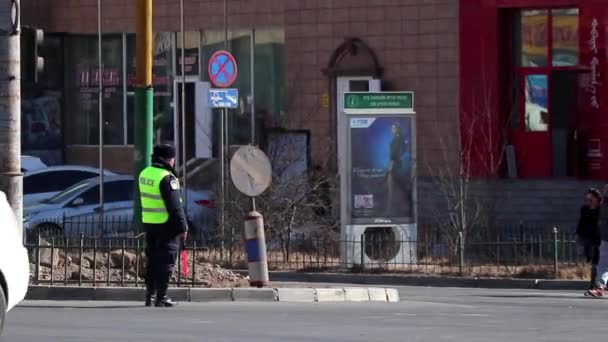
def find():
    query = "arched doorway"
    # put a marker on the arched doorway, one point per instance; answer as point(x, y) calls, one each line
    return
point(353, 66)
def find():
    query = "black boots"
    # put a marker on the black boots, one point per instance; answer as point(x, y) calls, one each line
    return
point(162, 302)
point(149, 299)
point(165, 302)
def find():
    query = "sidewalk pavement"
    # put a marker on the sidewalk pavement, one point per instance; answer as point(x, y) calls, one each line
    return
point(291, 294)
point(431, 281)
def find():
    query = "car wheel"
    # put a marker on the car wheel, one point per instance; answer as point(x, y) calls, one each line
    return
point(2, 308)
point(48, 230)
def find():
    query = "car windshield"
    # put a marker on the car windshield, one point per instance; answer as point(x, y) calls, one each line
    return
point(67, 193)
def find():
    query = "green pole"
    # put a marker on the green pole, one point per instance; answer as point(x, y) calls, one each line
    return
point(144, 101)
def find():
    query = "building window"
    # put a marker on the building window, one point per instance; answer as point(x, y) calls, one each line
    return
point(546, 69)
point(548, 35)
point(239, 44)
point(536, 113)
point(534, 44)
point(82, 100)
point(265, 48)
point(42, 104)
point(163, 87)
point(270, 92)
point(565, 33)
point(191, 52)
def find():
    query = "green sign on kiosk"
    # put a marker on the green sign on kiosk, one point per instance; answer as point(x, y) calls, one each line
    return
point(379, 101)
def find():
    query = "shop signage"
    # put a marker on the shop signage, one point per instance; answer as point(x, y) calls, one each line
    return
point(384, 100)
point(90, 77)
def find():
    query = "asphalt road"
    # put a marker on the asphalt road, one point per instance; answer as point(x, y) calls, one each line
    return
point(424, 314)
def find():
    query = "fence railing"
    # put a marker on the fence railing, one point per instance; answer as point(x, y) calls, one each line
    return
point(103, 261)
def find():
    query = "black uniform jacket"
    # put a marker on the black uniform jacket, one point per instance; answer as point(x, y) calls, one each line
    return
point(169, 189)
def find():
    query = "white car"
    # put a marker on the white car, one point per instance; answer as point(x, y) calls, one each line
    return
point(45, 183)
point(29, 164)
point(14, 262)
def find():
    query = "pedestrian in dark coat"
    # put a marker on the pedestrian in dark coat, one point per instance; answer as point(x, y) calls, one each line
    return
point(588, 231)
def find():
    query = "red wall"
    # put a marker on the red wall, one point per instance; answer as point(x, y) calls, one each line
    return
point(486, 76)
point(593, 104)
point(479, 86)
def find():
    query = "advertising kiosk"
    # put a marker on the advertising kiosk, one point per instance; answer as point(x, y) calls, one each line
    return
point(378, 178)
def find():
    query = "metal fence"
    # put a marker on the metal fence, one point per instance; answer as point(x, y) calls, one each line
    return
point(112, 226)
point(103, 261)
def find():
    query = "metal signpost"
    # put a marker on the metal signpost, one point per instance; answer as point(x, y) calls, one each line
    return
point(223, 72)
point(378, 176)
point(251, 173)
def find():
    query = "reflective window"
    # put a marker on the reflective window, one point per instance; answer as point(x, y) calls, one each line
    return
point(191, 49)
point(265, 47)
point(239, 45)
point(53, 181)
point(118, 191)
point(42, 102)
point(91, 196)
point(565, 37)
point(537, 113)
point(82, 99)
point(270, 90)
point(534, 44)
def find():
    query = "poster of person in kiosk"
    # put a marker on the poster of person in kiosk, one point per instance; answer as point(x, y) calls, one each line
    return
point(381, 173)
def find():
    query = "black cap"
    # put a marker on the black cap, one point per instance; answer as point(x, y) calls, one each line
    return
point(164, 151)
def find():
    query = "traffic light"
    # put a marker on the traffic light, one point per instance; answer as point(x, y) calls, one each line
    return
point(31, 62)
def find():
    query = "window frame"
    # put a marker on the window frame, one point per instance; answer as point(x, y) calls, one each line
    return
point(523, 72)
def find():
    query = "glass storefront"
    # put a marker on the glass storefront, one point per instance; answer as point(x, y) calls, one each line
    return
point(82, 77)
point(62, 108)
point(267, 55)
point(42, 105)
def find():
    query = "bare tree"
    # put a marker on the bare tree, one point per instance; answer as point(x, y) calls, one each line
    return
point(469, 202)
point(297, 204)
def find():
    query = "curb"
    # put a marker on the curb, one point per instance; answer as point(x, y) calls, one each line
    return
point(428, 281)
point(200, 295)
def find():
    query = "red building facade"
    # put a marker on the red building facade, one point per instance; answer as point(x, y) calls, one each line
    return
point(533, 96)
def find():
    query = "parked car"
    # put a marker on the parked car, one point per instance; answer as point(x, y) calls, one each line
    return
point(14, 262)
point(77, 210)
point(29, 164)
point(45, 183)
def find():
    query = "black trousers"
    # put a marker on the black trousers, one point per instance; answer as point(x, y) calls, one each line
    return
point(161, 254)
point(592, 256)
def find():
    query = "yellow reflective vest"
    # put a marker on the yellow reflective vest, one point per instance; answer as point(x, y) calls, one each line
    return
point(153, 209)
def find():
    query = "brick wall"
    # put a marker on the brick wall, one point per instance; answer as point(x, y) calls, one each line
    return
point(80, 16)
point(416, 42)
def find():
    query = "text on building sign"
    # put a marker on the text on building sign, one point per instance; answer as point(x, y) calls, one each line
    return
point(595, 67)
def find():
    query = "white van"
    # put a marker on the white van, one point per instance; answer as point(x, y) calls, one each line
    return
point(14, 262)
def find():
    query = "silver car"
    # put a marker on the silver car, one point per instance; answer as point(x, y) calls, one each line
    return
point(77, 210)
point(42, 184)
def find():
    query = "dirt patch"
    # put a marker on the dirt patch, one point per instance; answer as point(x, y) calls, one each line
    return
point(128, 269)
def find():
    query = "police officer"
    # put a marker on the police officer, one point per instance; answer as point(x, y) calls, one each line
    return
point(164, 222)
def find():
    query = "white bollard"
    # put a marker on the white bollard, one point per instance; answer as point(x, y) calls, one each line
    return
point(255, 243)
